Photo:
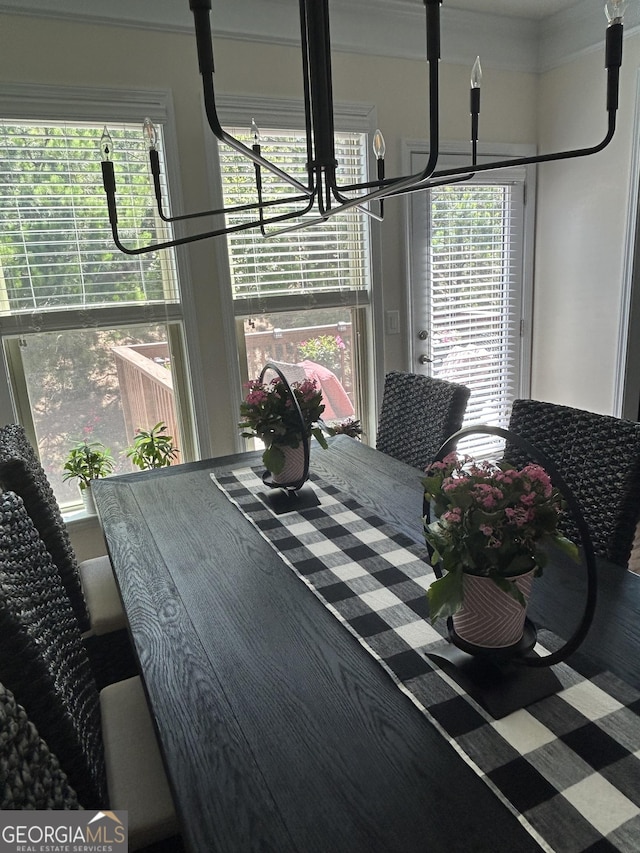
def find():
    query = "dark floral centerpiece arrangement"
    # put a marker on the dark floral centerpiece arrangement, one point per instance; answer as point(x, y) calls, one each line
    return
point(491, 521)
point(269, 413)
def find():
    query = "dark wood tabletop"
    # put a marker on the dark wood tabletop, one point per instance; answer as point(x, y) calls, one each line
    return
point(278, 731)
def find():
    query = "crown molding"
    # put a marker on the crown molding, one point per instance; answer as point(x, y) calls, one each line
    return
point(393, 28)
point(577, 31)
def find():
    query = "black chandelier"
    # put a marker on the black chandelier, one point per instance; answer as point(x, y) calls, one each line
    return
point(322, 191)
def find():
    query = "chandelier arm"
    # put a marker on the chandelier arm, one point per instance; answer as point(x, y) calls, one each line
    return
point(433, 59)
point(379, 217)
point(433, 66)
point(154, 162)
point(533, 159)
point(192, 238)
point(415, 184)
point(240, 147)
point(407, 184)
point(319, 220)
point(201, 10)
point(238, 208)
point(434, 184)
point(339, 197)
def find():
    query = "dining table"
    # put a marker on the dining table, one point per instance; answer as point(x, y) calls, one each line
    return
point(284, 646)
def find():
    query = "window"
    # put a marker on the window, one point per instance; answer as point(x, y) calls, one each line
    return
point(303, 297)
point(468, 272)
point(92, 338)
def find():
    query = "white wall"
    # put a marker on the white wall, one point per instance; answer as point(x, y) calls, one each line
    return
point(581, 230)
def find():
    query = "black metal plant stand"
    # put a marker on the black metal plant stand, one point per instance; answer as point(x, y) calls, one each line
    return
point(296, 495)
point(507, 679)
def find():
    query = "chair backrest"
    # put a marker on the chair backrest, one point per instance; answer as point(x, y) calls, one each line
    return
point(599, 457)
point(30, 775)
point(22, 473)
point(42, 659)
point(418, 414)
point(291, 372)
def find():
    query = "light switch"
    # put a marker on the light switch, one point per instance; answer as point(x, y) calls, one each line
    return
point(392, 322)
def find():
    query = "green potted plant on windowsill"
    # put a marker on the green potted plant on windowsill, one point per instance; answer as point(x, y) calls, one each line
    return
point(152, 448)
point(88, 461)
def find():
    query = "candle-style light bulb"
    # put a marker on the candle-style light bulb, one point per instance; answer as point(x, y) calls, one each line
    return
point(106, 145)
point(150, 133)
point(255, 133)
point(108, 175)
point(476, 74)
point(379, 150)
point(379, 147)
point(614, 10)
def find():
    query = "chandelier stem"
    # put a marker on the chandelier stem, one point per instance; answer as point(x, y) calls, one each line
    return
point(306, 84)
point(319, 66)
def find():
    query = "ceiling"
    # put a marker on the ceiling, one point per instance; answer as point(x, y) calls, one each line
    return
point(519, 35)
point(535, 9)
point(531, 9)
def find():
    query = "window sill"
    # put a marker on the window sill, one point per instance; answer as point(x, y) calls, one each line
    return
point(78, 518)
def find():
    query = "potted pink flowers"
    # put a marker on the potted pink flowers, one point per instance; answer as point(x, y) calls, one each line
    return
point(269, 413)
point(492, 523)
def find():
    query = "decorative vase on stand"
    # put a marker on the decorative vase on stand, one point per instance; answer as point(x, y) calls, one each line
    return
point(490, 617)
point(289, 488)
point(294, 465)
point(502, 671)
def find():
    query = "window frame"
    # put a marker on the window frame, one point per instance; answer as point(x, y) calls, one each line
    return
point(289, 114)
point(27, 102)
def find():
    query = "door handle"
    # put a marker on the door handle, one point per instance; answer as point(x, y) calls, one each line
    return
point(424, 359)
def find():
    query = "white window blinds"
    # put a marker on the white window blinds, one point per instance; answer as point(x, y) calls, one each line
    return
point(468, 295)
point(56, 248)
point(330, 257)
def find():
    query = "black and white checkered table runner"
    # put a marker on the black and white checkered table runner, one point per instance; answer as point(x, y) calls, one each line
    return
point(567, 766)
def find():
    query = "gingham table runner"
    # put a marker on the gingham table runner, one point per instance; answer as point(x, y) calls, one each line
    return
point(568, 766)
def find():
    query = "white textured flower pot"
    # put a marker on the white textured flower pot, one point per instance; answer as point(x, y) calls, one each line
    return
point(87, 501)
point(490, 617)
point(293, 470)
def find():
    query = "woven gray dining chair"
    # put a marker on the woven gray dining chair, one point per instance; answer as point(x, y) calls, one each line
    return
point(42, 659)
point(599, 457)
point(418, 414)
point(90, 585)
point(105, 741)
point(30, 774)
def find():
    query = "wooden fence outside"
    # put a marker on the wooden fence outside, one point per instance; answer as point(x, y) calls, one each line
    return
point(146, 388)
